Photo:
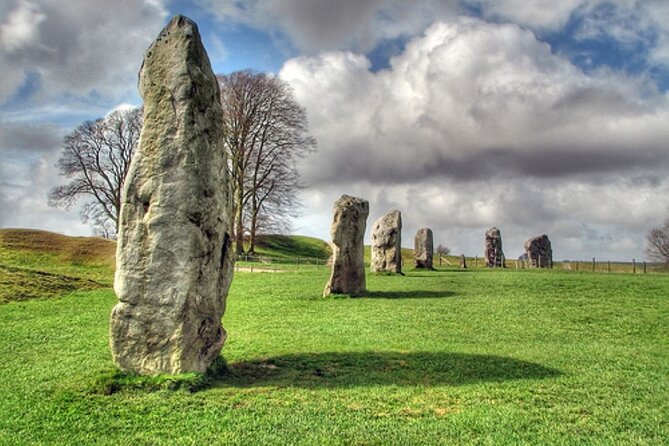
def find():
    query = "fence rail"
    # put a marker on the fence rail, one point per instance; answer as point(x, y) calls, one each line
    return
point(275, 264)
point(254, 263)
point(593, 265)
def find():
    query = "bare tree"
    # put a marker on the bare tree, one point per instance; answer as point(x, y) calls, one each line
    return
point(657, 245)
point(96, 157)
point(443, 250)
point(266, 133)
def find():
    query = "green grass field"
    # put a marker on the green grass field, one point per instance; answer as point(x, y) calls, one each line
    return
point(442, 357)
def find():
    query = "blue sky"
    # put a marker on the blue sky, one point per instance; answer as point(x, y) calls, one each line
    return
point(533, 116)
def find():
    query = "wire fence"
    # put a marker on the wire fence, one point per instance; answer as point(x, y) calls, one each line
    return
point(259, 263)
point(594, 265)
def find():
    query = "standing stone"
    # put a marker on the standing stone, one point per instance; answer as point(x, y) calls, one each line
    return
point(522, 259)
point(463, 262)
point(173, 259)
point(494, 256)
point(387, 243)
point(539, 252)
point(423, 249)
point(348, 249)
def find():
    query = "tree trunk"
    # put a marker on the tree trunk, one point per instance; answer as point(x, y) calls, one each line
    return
point(254, 225)
point(239, 221)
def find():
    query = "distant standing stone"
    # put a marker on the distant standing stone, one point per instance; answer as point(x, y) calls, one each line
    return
point(494, 256)
point(522, 259)
point(539, 252)
point(463, 262)
point(174, 263)
point(423, 250)
point(387, 243)
point(348, 249)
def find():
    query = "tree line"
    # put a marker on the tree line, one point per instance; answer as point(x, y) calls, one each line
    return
point(265, 134)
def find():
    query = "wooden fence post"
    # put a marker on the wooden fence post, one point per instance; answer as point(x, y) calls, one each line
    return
point(633, 266)
point(593, 264)
point(608, 266)
point(644, 267)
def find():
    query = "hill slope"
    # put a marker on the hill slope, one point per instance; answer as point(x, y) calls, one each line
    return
point(78, 250)
point(37, 264)
point(292, 246)
point(40, 264)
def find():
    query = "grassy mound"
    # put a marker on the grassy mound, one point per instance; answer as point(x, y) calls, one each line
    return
point(75, 250)
point(39, 264)
point(292, 246)
point(24, 284)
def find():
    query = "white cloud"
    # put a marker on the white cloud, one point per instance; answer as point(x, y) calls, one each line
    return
point(535, 14)
point(312, 26)
point(20, 31)
point(476, 125)
point(472, 100)
point(123, 106)
point(641, 25)
point(76, 47)
point(23, 199)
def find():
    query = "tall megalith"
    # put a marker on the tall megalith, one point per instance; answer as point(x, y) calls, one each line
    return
point(348, 249)
point(494, 256)
point(173, 258)
point(423, 249)
point(539, 251)
point(387, 243)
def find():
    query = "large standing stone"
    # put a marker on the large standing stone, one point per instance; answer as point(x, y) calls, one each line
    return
point(387, 243)
point(494, 256)
point(348, 249)
point(174, 263)
point(539, 252)
point(423, 249)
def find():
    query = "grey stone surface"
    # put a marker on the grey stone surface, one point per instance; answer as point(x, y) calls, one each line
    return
point(539, 252)
point(387, 243)
point(494, 255)
point(174, 262)
point(348, 249)
point(423, 249)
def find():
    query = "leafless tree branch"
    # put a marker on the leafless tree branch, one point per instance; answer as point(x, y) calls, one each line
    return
point(95, 158)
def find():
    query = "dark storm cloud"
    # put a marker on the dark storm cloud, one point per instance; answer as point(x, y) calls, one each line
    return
point(358, 164)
